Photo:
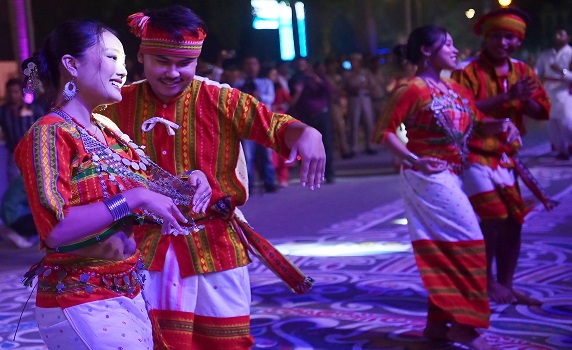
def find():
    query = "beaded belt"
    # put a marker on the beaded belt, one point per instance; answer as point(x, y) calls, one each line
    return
point(74, 274)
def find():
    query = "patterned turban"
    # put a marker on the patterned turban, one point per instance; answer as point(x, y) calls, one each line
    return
point(501, 21)
point(159, 42)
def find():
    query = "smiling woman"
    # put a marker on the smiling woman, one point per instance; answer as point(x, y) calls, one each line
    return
point(447, 241)
point(87, 185)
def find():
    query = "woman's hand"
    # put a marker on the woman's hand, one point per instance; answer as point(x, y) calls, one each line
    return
point(158, 204)
point(203, 191)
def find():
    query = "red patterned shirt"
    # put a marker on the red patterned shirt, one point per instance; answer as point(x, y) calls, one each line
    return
point(212, 119)
point(481, 78)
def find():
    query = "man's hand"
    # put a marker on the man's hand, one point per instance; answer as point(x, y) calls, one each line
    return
point(306, 142)
point(523, 89)
point(203, 192)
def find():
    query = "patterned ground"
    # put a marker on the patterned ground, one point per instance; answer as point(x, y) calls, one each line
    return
point(377, 300)
point(368, 293)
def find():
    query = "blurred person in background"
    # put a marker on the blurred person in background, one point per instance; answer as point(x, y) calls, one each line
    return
point(311, 93)
point(281, 104)
point(258, 158)
point(16, 118)
point(376, 64)
point(338, 107)
point(358, 85)
point(553, 68)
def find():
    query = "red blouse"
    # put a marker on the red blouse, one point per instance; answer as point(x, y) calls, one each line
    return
point(410, 105)
point(59, 173)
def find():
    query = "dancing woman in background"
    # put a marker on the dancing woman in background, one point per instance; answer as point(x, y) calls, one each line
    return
point(86, 182)
point(447, 241)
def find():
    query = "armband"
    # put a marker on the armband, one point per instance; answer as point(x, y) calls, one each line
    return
point(117, 206)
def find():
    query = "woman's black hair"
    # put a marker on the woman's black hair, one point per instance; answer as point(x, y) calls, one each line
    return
point(175, 20)
point(424, 36)
point(73, 38)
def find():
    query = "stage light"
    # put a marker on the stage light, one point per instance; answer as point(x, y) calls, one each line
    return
point(470, 13)
point(301, 23)
point(329, 249)
point(286, 32)
point(400, 221)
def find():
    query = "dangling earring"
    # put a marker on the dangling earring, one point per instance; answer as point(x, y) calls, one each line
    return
point(32, 79)
point(70, 90)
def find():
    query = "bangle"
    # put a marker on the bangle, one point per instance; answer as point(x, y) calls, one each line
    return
point(117, 206)
point(410, 159)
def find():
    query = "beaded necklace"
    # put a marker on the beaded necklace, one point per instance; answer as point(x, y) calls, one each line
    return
point(446, 101)
point(107, 160)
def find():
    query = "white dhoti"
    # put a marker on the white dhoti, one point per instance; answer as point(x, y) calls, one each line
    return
point(437, 208)
point(449, 247)
point(216, 294)
point(116, 323)
point(207, 311)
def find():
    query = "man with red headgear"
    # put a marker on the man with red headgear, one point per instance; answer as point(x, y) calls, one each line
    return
point(504, 88)
point(198, 285)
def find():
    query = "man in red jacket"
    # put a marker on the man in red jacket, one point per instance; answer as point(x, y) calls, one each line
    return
point(504, 88)
point(198, 285)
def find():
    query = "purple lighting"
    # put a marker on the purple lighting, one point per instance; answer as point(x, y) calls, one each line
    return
point(21, 28)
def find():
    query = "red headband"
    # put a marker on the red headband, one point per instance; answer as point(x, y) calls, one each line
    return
point(159, 42)
point(502, 21)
